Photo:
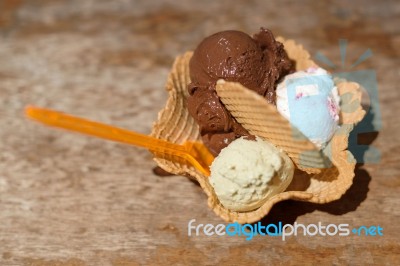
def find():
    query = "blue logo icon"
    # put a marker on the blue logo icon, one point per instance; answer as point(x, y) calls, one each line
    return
point(372, 122)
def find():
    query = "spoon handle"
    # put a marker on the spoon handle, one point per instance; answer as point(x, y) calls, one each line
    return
point(65, 121)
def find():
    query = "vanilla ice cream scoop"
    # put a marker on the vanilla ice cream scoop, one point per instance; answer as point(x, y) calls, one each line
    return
point(310, 101)
point(246, 173)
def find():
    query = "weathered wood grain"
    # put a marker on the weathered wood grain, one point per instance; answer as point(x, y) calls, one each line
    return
point(66, 199)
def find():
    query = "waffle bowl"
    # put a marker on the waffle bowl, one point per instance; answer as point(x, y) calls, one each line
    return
point(320, 176)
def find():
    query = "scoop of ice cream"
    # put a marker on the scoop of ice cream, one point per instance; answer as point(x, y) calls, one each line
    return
point(310, 101)
point(257, 63)
point(217, 126)
point(247, 173)
point(234, 56)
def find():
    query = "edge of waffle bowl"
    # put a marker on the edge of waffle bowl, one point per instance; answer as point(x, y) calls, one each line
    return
point(176, 125)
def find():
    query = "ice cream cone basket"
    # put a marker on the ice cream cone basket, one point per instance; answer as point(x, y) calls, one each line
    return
point(321, 176)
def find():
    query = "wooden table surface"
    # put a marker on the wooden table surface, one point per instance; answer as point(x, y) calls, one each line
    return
point(67, 199)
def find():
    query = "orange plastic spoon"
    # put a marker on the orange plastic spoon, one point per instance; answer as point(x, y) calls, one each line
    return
point(194, 153)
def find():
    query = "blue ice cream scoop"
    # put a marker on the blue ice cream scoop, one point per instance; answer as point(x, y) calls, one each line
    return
point(310, 101)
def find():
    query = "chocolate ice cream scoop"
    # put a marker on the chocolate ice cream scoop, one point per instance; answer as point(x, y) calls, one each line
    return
point(257, 63)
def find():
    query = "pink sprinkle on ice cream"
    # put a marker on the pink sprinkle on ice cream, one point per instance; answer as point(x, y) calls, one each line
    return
point(333, 109)
point(299, 95)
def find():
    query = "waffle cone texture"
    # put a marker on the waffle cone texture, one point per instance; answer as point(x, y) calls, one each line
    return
point(320, 176)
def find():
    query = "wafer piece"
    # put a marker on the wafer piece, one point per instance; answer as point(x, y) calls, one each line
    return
point(297, 53)
point(262, 119)
point(174, 123)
